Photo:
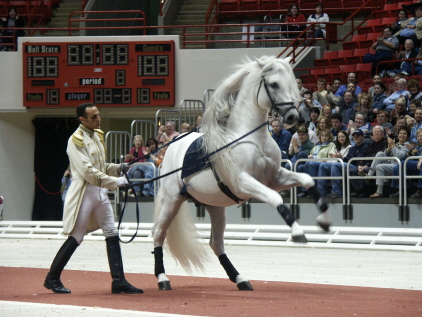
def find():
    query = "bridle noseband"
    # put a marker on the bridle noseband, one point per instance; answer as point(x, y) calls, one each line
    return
point(275, 109)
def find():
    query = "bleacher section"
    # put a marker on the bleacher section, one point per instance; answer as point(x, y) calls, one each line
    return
point(336, 64)
point(247, 8)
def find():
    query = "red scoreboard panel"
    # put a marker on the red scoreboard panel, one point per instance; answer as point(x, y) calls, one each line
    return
point(106, 73)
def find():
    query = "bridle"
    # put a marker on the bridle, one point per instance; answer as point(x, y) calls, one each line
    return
point(276, 107)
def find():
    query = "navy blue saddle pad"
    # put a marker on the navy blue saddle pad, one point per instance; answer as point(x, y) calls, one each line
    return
point(194, 160)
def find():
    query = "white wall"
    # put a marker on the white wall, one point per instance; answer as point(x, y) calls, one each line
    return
point(196, 71)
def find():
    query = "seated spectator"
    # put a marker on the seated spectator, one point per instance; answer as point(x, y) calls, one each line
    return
point(413, 167)
point(331, 90)
point(400, 111)
point(358, 124)
point(351, 78)
point(385, 168)
point(140, 171)
point(379, 145)
point(312, 124)
point(185, 127)
point(302, 89)
point(336, 168)
point(138, 150)
point(337, 124)
point(413, 104)
point(405, 66)
point(321, 93)
point(306, 105)
point(379, 96)
point(415, 90)
point(411, 28)
point(13, 20)
point(400, 123)
point(401, 17)
point(364, 106)
point(385, 46)
point(401, 92)
point(167, 132)
point(383, 119)
point(323, 124)
point(301, 146)
point(376, 79)
point(318, 18)
point(312, 135)
point(346, 106)
point(326, 112)
point(66, 181)
point(416, 126)
point(322, 149)
point(294, 19)
point(342, 144)
point(282, 137)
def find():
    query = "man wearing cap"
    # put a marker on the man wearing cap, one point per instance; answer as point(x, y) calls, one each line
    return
point(301, 147)
point(337, 167)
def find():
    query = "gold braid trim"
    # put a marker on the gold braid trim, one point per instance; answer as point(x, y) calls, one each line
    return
point(78, 139)
point(101, 136)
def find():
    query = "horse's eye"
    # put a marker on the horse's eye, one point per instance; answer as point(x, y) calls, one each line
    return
point(274, 85)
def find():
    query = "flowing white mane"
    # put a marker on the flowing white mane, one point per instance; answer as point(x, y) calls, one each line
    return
point(215, 127)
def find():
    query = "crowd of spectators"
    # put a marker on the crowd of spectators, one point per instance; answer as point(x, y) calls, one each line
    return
point(346, 122)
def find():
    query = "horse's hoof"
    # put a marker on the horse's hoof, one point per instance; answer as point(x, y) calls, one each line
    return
point(324, 221)
point(244, 286)
point(164, 286)
point(325, 226)
point(300, 239)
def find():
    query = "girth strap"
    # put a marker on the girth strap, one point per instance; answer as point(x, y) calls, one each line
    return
point(224, 188)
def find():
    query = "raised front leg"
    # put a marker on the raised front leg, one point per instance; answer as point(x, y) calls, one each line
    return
point(292, 179)
point(253, 188)
point(218, 224)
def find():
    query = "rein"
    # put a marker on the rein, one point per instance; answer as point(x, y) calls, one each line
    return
point(131, 185)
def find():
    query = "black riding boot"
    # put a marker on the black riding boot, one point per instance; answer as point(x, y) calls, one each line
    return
point(119, 284)
point(52, 281)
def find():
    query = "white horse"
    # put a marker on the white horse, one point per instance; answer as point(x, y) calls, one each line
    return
point(249, 168)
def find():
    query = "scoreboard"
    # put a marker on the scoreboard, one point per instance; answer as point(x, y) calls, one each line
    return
point(123, 74)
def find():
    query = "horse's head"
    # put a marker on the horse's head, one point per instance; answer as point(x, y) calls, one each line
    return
point(278, 90)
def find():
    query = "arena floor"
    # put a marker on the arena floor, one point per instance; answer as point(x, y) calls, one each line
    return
point(288, 281)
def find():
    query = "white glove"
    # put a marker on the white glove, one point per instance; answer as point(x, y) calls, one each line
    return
point(122, 181)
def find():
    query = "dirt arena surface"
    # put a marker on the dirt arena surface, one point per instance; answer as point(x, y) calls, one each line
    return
point(288, 281)
point(211, 296)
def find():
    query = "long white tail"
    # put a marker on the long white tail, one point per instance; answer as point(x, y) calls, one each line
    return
point(183, 240)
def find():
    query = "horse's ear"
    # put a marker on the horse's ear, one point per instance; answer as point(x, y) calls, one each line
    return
point(260, 62)
point(288, 59)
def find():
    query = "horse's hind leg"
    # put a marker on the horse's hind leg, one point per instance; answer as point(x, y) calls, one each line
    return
point(292, 179)
point(218, 224)
point(168, 210)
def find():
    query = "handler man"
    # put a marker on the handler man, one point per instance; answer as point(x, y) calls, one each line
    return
point(87, 207)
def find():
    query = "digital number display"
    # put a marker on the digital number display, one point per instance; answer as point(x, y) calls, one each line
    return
point(107, 74)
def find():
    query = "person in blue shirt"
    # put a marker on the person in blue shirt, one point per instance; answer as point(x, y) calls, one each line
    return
point(282, 137)
point(416, 127)
point(351, 78)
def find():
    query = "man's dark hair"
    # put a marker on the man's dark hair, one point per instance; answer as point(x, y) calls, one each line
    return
point(81, 109)
point(337, 116)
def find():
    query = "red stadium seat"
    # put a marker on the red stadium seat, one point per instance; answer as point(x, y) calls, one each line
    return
point(229, 8)
point(249, 5)
point(270, 5)
point(364, 70)
point(354, 43)
point(326, 59)
point(342, 57)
